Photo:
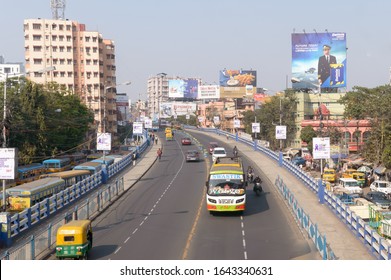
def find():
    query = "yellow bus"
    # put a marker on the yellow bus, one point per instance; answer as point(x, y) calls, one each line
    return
point(226, 187)
point(26, 195)
point(70, 177)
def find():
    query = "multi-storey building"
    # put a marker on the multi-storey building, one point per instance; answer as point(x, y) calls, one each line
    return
point(157, 93)
point(80, 61)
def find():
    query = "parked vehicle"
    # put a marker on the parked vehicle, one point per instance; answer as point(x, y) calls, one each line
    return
point(329, 175)
point(360, 177)
point(74, 240)
point(381, 186)
point(348, 173)
point(192, 155)
point(299, 161)
point(186, 141)
point(378, 198)
point(348, 185)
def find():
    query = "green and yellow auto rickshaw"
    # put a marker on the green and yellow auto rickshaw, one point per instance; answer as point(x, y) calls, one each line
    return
point(74, 240)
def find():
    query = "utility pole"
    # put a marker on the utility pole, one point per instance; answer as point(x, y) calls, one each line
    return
point(280, 121)
point(5, 135)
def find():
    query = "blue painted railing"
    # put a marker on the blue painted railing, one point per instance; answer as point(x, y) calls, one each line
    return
point(369, 236)
point(23, 221)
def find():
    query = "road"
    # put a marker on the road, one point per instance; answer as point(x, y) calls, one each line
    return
point(164, 217)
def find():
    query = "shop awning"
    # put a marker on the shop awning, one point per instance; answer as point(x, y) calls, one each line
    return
point(380, 170)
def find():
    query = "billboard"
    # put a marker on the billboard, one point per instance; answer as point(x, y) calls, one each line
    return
point(103, 142)
point(169, 109)
point(318, 59)
point(137, 128)
point(209, 92)
point(280, 132)
point(183, 88)
point(236, 83)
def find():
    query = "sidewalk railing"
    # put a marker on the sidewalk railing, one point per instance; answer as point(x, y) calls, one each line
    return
point(40, 244)
point(379, 246)
point(14, 224)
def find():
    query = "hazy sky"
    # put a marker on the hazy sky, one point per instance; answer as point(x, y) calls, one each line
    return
point(198, 38)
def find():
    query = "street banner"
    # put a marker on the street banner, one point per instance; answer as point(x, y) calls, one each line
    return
point(236, 123)
point(137, 128)
point(256, 127)
point(8, 162)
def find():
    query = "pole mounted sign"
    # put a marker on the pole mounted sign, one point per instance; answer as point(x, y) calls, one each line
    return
point(236, 123)
point(103, 142)
point(281, 132)
point(138, 128)
point(321, 148)
point(256, 128)
point(8, 157)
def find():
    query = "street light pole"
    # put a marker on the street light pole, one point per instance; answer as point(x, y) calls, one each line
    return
point(280, 122)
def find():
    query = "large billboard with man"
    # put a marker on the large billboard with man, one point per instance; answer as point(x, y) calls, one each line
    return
point(318, 60)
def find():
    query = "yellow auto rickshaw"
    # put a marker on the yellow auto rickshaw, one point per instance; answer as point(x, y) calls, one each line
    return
point(360, 177)
point(329, 175)
point(348, 173)
point(74, 240)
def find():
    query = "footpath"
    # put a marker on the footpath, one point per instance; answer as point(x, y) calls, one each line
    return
point(342, 241)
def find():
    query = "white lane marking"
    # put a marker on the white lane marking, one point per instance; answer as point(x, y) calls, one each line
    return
point(243, 238)
point(116, 251)
point(127, 239)
point(167, 188)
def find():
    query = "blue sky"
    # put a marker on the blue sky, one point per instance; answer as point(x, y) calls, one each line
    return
point(198, 38)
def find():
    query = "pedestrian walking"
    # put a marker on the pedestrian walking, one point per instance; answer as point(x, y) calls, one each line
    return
point(156, 140)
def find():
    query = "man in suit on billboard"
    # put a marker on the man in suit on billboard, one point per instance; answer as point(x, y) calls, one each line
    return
point(324, 64)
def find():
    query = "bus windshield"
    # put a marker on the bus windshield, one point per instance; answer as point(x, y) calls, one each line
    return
point(224, 187)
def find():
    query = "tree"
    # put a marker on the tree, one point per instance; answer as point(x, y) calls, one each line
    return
point(307, 134)
point(374, 105)
point(43, 123)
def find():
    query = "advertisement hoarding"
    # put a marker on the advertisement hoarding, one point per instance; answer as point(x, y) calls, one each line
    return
point(236, 123)
point(169, 109)
point(256, 127)
point(8, 163)
point(137, 128)
point(180, 88)
point(148, 123)
point(280, 132)
point(103, 142)
point(321, 148)
point(236, 83)
point(318, 59)
point(209, 92)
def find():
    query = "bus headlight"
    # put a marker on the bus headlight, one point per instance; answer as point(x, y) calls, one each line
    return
point(212, 200)
point(240, 200)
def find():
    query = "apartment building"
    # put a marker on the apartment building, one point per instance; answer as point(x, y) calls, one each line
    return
point(81, 62)
point(157, 93)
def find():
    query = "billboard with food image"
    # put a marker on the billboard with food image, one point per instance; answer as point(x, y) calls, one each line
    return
point(236, 83)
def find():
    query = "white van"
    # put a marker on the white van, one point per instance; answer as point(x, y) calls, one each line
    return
point(349, 185)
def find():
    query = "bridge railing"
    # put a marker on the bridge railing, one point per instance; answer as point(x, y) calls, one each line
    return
point(368, 235)
point(41, 243)
point(20, 222)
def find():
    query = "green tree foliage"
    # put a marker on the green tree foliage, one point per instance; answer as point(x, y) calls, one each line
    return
point(374, 105)
point(43, 122)
point(307, 134)
point(269, 115)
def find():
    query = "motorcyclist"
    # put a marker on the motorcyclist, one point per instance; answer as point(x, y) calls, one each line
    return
point(257, 185)
point(250, 173)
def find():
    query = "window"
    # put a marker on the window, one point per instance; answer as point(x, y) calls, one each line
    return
point(55, 61)
point(87, 39)
point(95, 62)
point(62, 74)
point(69, 61)
point(37, 74)
point(54, 38)
point(94, 39)
point(54, 49)
point(55, 74)
point(61, 27)
point(37, 48)
point(37, 37)
point(94, 50)
point(54, 26)
point(61, 38)
point(69, 38)
point(96, 74)
point(36, 26)
point(61, 49)
point(88, 62)
point(37, 61)
point(70, 74)
point(69, 28)
point(62, 61)
point(69, 49)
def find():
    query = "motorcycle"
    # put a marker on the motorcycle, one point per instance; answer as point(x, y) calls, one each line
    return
point(257, 188)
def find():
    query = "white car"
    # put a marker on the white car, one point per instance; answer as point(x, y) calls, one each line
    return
point(381, 186)
point(218, 152)
point(349, 186)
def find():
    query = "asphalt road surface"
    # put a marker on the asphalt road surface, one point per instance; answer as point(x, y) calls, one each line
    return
point(164, 217)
